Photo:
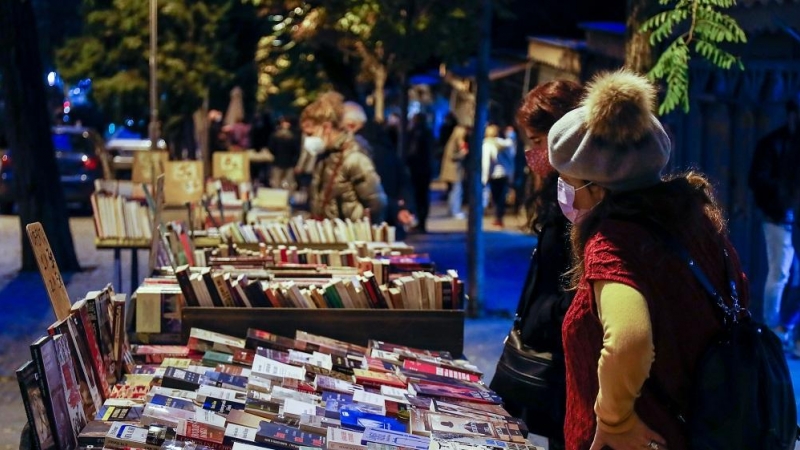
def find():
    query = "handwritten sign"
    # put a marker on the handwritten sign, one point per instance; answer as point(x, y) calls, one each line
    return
point(183, 182)
point(148, 164)
point(49, 270)
point(235, 166)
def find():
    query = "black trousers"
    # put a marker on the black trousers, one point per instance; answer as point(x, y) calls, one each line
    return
point(421, 184)
point(499, 189)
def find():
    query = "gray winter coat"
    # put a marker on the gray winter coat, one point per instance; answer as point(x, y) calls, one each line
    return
point(355, 186)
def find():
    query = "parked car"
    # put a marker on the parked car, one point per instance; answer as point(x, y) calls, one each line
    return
point(81, 158)
point(121, 153)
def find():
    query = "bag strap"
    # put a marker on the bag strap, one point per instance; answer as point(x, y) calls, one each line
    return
point(530, 280)
point(332, 180)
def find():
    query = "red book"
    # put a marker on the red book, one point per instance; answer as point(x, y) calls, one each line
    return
point(418, 366)
point(80, 319)
point(377, 379)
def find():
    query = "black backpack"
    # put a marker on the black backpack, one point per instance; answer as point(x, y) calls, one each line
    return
point(743, 396)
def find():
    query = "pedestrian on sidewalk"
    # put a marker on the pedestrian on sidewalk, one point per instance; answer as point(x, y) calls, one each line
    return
point(452, 172)
point(638, 313)
point(419, 161)
point(775, 182)
point(545, 296)
point(497, 169)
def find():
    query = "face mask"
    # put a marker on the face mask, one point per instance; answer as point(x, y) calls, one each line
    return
point(313, 145)
point(538, 163)
point(566, 200)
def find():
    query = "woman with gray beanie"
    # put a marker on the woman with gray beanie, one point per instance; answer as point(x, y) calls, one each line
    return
point(638, 312)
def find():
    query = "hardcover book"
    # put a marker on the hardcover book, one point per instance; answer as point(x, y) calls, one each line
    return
point(455, 392)
point(51, 383)
point(35, 408)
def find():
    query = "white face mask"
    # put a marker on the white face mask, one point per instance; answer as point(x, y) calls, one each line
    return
point(313, 145)
point(566, 200)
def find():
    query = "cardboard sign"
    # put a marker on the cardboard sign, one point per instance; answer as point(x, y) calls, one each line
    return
point(49, 270)
point(235, 166)
point(183, 182)
point(147, 165)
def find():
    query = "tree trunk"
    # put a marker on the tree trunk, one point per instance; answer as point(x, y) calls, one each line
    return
point(638, 52)
point(475, 250)
point(36, 177)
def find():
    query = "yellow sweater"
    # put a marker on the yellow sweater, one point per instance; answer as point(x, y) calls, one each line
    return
point(626, 356)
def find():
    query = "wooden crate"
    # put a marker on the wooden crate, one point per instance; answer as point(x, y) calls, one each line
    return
point(428, 329)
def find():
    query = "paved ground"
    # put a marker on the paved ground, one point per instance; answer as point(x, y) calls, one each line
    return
point(26, 312)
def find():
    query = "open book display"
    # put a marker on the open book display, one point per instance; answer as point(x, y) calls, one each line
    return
point(260, 390)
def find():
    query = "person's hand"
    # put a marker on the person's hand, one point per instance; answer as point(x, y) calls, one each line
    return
point(404, 217)
point(639, 437)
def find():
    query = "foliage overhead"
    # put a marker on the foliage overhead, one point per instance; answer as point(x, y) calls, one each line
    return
point(694, 27)
point(114, 48)
point(383, 38)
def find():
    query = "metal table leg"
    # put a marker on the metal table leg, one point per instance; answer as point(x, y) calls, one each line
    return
point(134, 271)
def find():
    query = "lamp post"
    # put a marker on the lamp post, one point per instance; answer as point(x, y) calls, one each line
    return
point(153, 126)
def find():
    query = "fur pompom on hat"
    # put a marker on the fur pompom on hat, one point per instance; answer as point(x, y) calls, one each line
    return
point(613, 139)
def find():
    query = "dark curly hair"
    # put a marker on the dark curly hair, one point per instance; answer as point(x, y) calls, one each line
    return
point(540, 109)
point(680, 204)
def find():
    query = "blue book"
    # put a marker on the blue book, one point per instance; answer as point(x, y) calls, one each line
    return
point(355, 418)
point(394, 438)
point(219, 379)
point(172, 402)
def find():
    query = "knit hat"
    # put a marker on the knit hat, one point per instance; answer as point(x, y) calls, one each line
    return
point(613, 139)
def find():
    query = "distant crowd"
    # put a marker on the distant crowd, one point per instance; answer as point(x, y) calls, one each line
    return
point(338, 162)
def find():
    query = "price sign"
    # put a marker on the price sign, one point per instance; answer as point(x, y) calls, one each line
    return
point(183, 182)
point(49, 270)
point(148, 164)
point(235, 166)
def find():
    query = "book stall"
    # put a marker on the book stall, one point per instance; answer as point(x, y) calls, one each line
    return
point(88, 386)
point(255, 331)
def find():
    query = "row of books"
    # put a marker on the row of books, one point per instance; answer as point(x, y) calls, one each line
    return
point(158, 301)
point(307, 231)
point(116, 217)
point(263, 390)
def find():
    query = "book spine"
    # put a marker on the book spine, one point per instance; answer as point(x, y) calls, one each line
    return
point(204, 442)
point(182, 275)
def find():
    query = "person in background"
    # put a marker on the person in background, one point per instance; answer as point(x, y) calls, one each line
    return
point(344, 184)
point(216, 137)
point(284, 145)
point(452, 173)
point(775, 181)
point(638, 313)
point(394, 175)
point(238, 135)
point(418, 160)
point(497, 169)
point(545, 295)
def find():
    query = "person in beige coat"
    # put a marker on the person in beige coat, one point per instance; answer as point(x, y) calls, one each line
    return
point(452, 172)
point(345, 184)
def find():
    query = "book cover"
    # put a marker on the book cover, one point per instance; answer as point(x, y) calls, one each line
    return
point(51, 384)
point(85, 339)
point(93, 435)
point(72, 391)
point(276, 370)
point(226, 380)
point(287, 437)
point(35, 408)
point(326, 383)
point(203, 340)
point(396, 438)
point(112, 413)
point(354, 418)
point(218, 405)
point(377, 379)
point(83, 372)
point(198, 430)
point(182, 275)
point(258, 338)
point(243, 357)
point(390, 347)
point(277, 355)
point(123, 435)
point(97, 303)
point(420, 366)
point(341, 439)
point(181, 379)
point(456, 392)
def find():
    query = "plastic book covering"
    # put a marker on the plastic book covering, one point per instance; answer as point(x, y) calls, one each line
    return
point(35, 409)
point(51, 383)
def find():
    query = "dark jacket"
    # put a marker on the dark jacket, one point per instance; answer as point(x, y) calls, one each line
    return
point(285, 147)
point(395, 178)
point(544, 296)
point(775, 175)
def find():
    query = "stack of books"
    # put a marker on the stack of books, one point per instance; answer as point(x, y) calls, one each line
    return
point(120, 211)
point(270, 391)
point(306, 231)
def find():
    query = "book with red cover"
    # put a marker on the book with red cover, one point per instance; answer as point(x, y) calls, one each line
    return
point(424, 367)
point(377, 379)
point(257, 338)
point(79, 317)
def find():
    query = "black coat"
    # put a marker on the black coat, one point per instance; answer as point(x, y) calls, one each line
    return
point(775, 175)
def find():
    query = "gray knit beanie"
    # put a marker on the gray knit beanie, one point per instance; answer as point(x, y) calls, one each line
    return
point(613, 139)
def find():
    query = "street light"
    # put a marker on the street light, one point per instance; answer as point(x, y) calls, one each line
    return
point(153, 126)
